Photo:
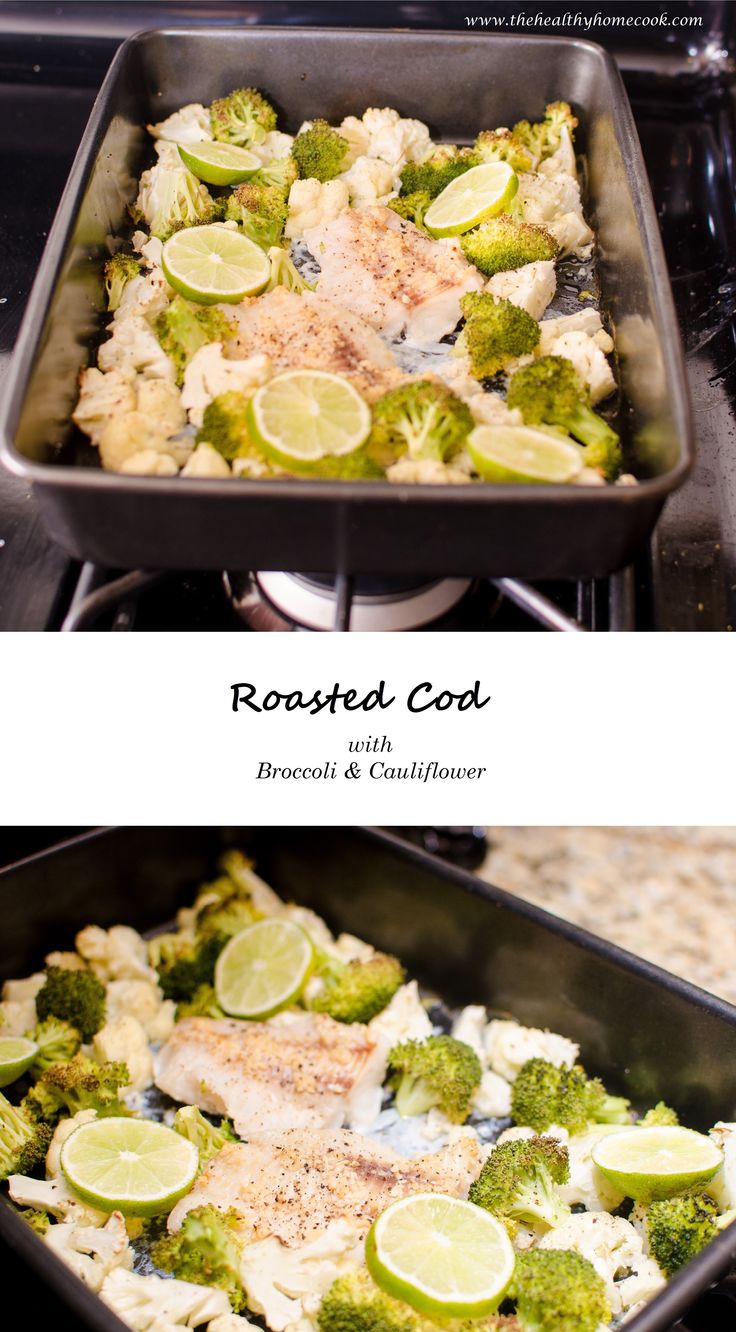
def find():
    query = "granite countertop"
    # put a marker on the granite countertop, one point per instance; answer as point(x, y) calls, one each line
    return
point(668, 894)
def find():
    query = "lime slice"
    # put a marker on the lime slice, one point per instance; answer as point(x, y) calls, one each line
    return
point(303, 417)
point(218, 163)
point(210, 264)
point(262, 969)
point(469, 199)
point(652, 1163)
point(133, 1166)
point(441, 1255)
point(16, 1055)
point(519, 453)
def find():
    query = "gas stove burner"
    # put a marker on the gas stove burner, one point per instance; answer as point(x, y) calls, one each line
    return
point(285, 602)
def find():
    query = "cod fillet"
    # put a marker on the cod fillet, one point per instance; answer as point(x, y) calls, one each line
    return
point(304, 1071)
point(308, 332)
point(393, 275)
point(293, 1185)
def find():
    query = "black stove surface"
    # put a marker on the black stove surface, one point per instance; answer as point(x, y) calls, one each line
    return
point(681, 83)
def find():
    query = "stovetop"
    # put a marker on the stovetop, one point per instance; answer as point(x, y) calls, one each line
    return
point(681, 84)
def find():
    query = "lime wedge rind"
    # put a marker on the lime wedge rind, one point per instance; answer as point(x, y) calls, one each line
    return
point(263, 969)
point(219, 163)
point(17, 1053)
point(212, 263)
point(648, 1164)
point(133, 1166)
point(469, 199)
point(523, 455)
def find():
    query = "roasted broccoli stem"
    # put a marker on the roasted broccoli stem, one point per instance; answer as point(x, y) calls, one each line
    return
point(557, 1290)
point(412, 207)
point(184, 964)
point(206, 1250)
point(284, 272)
point(550, 392)
point(502, 243)
point(282, 173)
point(319, 152)
point(357, 991)
point(243, 117)
point(544, 1094)
point(57, 1041)
point(118, 272)
point(75, 996)
point(24, 1141)
point(182, 328)
point(436, 171)
point(543, 137)
point(79, 1084)
point(191, 1124)
point(260, 211)
point(495, 332)
point(423, 418)
point(439, 1071)
point(678, 1228)
point(519, 1182)
point(502, 145)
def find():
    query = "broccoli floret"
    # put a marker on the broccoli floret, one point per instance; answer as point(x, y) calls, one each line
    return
point(203, 1003)
point(227, 917)
point(543, 137)
point(495, 332)
point(502, 243)
point(224, 426)
point(185, 964)
point(518, 1182)
point(282, 173)
point(182, 328)
point(678, 1228)
point(36, 1219)
point(118, 272)
point(438, 1071)
point(357, 991)
point(436, 171)
point(412, 207)
point(319, 151)
point(79, 1084)
point(424, 418)
point(207, 1250)
point(191, 1124)
point(284, 272)
point(57, 1041)
point(23, 1141)
point(75, 996)
point(659, 1114)
point(544, 1094)
point(354, 1303)
point(550, 392)
point(260, 211)
point(557, 1290)
point(243, 117)
point(501, 145)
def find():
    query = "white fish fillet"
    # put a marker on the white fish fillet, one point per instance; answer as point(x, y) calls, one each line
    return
point(293, 1185)
point(305, 1072)
point(386, 270)
point(308, 332)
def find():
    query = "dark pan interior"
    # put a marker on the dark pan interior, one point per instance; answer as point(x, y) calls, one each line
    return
point(649, 1034)
point(541, 530)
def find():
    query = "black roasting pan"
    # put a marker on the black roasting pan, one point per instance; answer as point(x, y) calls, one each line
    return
point(456, 83)
point(649, 1034)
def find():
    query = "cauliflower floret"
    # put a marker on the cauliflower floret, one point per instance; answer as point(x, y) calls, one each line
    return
point(357, 137)
point(125, 1039)
point(150, 248)
point(643, 1284)
point(554, 201)
point(18, 1007)
point(170, 195)
point(491, 409)
point(588, 476)
point(210, 373)
point(67, 961)
point(587, 1185)
point(230, 1323)
point(16, 991)
point(190, 124)
point(493, 1096)
point(611, 1244)
point(426, 471)
point(133, 345)
point(141, 999)
point(54, 1196)
point(455, 372)
point(531, 287)
point(154, 1302)
point(562, 159)
point(63, 1130)
point(369, 180)
point(395, 140)
point(287, 1284)
point(469, 1026)
point(206, 462)
point(581, 338)
point(127, 438)
point(148, 462)
point(102, 399)
point(312, 202)
point(509, 1046)
point(404, 1019)
point(274, 146)
point(722, 1188)
point(348, 948)
point(148, 295)
point(116, 954)
point(92, 1252)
